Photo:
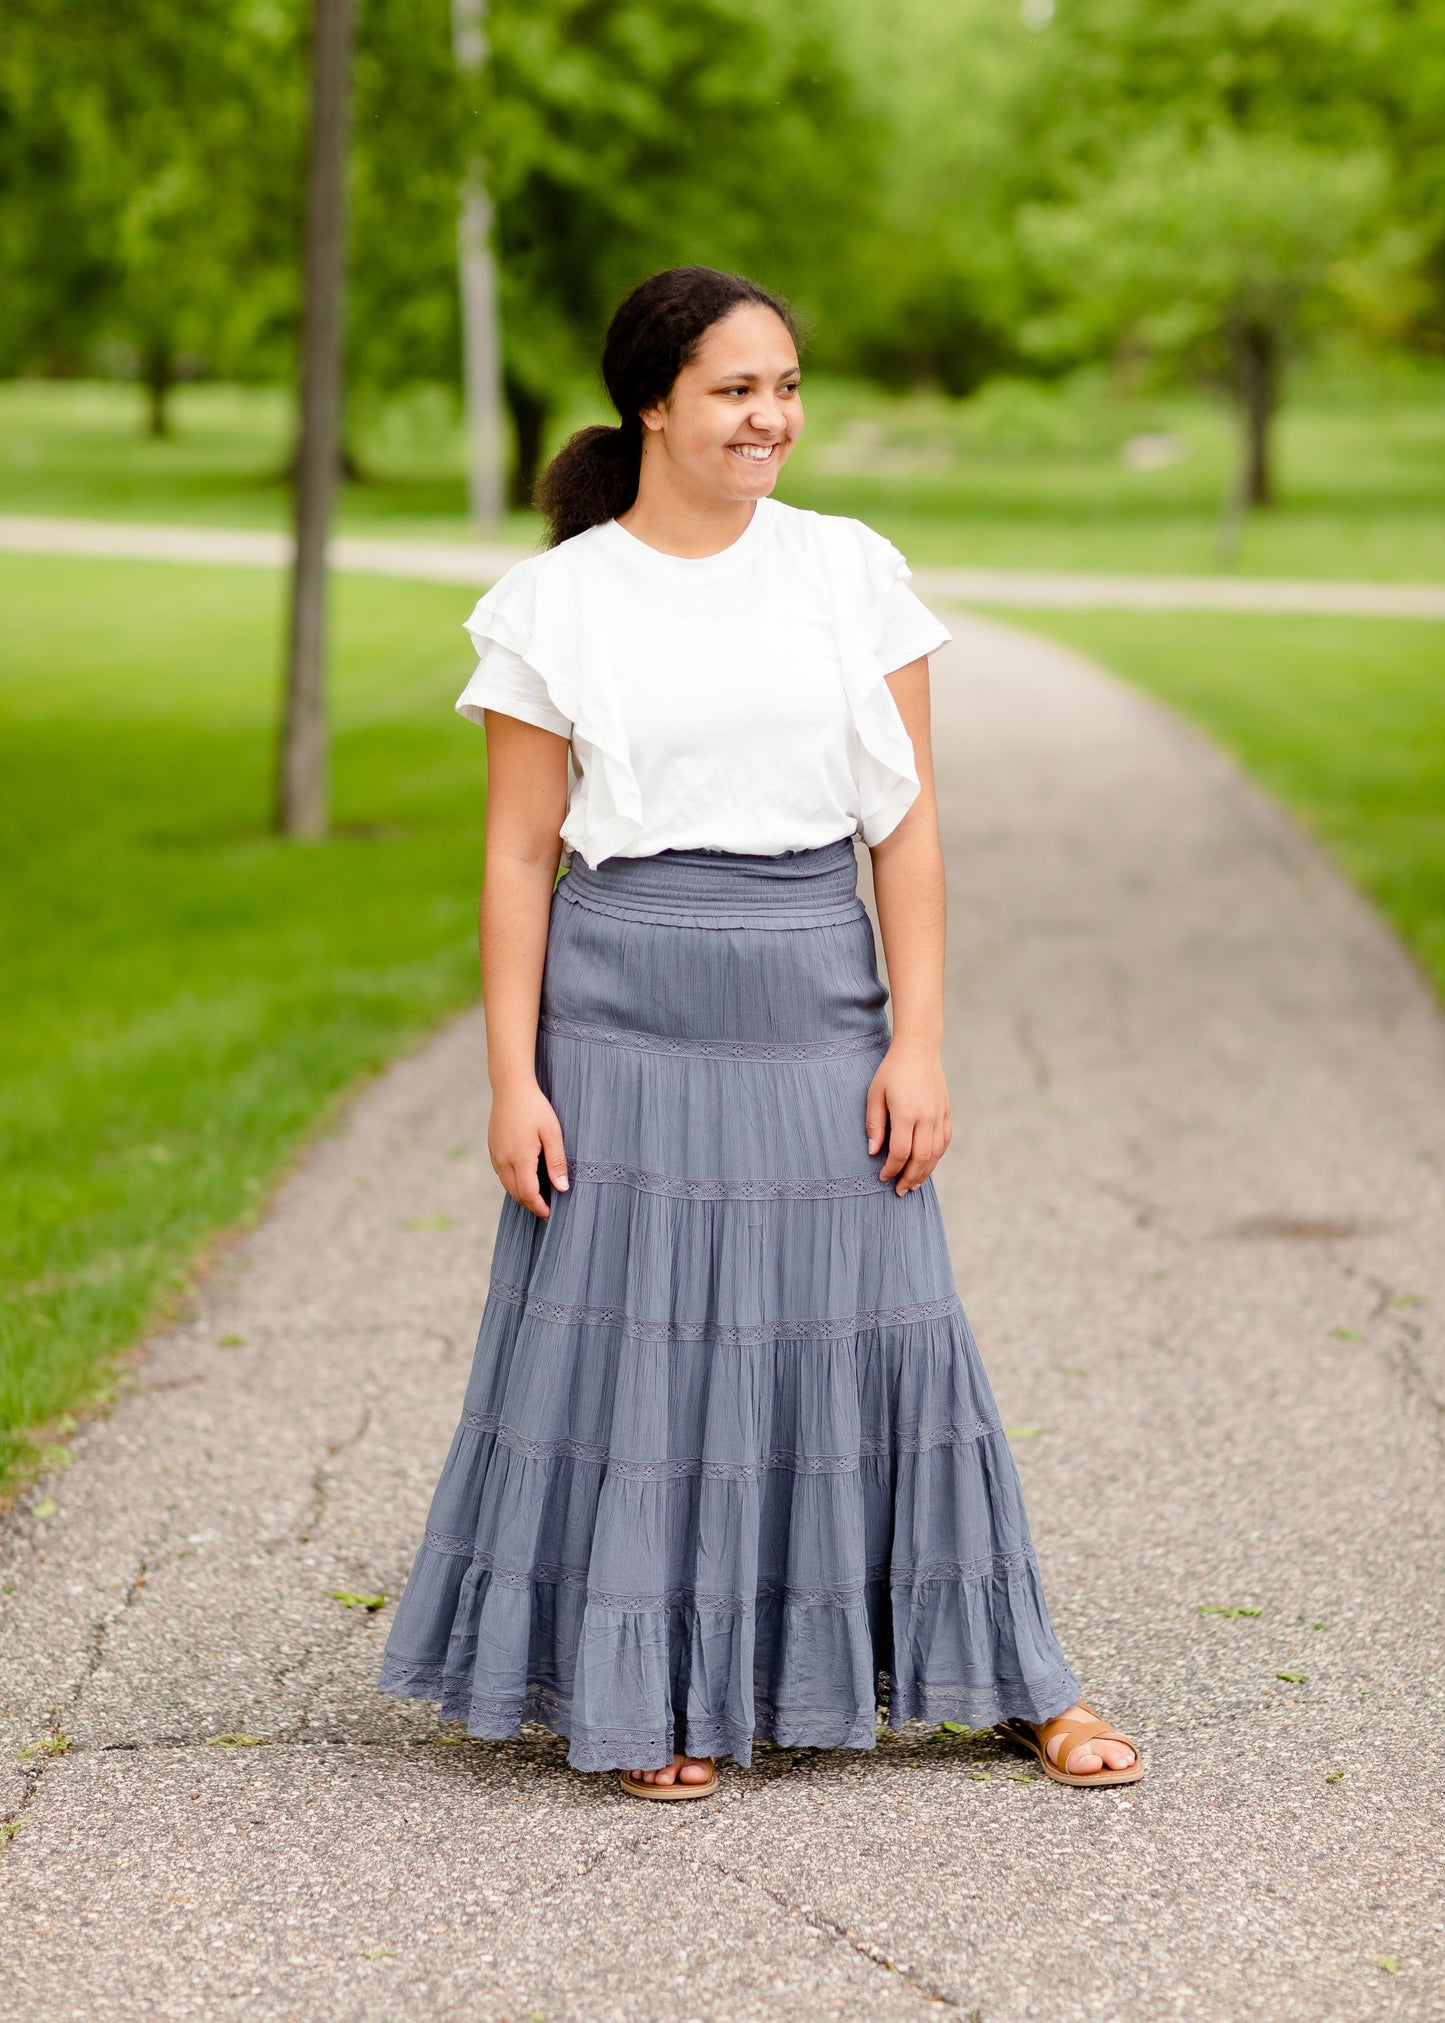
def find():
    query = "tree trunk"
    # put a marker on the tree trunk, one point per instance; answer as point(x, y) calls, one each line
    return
point(302, 788)
point(477, 273)
point(158, 377)
point(529, 422)
point(1254, 353)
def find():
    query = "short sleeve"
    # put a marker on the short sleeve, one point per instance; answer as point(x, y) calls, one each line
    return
point(907, 628)
point(504, 681)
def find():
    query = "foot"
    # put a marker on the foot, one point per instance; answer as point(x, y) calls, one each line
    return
point(1086, 1756)
point(681, 1770)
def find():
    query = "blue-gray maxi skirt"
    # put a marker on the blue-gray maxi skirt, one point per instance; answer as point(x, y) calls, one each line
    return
point(729, 1468)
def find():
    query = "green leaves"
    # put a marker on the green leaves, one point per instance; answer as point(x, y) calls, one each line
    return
point(1334, 1777)
point(1217, 1609)
point(348, 1600)
point(236, 1740)
point(1387, 1963)
point(1293, 1678)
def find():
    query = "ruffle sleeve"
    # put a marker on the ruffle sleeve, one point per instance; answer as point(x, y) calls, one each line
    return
point(539, 611)
point(878, 617)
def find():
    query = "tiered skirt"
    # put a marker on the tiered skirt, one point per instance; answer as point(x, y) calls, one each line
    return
point(729, 1468)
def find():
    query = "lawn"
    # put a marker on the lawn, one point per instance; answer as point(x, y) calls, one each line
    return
point(183, 994)
point(1075, 476)
point(1341, 719)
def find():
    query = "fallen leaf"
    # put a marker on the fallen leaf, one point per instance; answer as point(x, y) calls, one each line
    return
point(231, 1342)
point(1387, 1962)
point(45, 1507)
point(377, 1953)
point(1292, 1678)
point(1216, 1609)
point(431, 1222)
point(371, 1603)
point(1346, 1334)
point(1023, 1432)
point(9, 1828)
point(236, 1741)
point(1334, 1777)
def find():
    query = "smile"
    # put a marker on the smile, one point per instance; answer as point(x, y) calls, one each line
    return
point(755, 453)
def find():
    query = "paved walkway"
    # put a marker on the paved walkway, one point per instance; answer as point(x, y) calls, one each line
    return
point(1194, 1199)
point(479, 565)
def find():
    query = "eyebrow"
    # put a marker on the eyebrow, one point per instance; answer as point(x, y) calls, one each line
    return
point(789, 372)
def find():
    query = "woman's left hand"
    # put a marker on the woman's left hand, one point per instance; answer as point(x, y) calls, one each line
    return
point(908, 1097)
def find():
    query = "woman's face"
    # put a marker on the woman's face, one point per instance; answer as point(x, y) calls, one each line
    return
point(733, 415)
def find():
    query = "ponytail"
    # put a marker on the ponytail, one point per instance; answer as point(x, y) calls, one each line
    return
point(592, 478)
point(653, 335)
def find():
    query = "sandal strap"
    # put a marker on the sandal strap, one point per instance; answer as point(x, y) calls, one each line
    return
point(1075, 1733)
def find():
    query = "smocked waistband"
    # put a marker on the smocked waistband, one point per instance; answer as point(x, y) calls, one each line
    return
point(719, 888)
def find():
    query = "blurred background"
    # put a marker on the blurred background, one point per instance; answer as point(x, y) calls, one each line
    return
point(1088, 286)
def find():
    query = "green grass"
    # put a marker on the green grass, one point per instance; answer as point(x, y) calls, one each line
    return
point(1343, 720)
point(182, 993)
point(1023, 475)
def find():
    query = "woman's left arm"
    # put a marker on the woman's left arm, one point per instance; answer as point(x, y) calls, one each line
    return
point(909, 1095)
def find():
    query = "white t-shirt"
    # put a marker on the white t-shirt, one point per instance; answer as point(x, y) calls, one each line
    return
point(733, 702)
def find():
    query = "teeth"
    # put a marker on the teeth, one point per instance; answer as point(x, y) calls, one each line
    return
point(757, 452)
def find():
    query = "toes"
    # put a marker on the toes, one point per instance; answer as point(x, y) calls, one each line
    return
point(1083, 1759)
point(694, 1771)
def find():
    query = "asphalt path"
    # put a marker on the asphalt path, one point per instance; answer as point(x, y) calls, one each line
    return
point(1194, 1199)
point(480, 563)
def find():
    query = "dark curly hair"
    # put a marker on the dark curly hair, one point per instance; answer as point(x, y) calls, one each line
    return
point(651, 337)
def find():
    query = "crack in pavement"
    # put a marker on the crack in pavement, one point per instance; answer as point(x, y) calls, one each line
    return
point(844, 1935)
point(316, 1509)
point(45, 1757)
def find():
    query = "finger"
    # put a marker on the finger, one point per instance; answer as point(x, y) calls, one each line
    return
point(527, 1188)
point(900, 1145)
point(554, 1154)
point(922, 1159)
point(875, 1118)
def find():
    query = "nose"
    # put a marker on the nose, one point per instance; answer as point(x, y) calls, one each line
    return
point(768, 418)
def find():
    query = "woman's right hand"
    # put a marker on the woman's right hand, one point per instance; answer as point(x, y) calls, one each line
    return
point(524, 1131)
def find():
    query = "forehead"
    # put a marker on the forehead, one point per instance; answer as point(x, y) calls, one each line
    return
point(749, 339)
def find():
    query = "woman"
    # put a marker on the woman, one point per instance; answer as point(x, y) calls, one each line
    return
point(729, 1466)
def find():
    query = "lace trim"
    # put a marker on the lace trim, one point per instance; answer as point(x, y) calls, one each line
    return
point(870, 1446)
point(721, 1190)
point(725, 1050)
point(924, 1573)
point(749, 1335)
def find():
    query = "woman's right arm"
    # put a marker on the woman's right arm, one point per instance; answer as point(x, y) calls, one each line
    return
point(526, 805)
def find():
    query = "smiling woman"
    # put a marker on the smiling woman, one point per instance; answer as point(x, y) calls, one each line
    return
point(728, 1455)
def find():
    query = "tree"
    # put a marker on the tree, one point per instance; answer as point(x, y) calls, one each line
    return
point(1220, 254)
point(477, 275)
point(1212, 171)
point(302, 783)
point(146, 172)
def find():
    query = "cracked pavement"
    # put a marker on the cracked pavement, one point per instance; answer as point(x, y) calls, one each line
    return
point(1194, 1198)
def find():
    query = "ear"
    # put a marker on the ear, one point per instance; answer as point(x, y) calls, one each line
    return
point(653, 417)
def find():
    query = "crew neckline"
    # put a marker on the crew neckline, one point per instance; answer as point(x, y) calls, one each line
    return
point(693, 567)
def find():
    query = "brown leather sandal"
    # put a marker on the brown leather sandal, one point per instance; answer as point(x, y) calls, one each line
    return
point(664, 1793)
point(1037, 1739)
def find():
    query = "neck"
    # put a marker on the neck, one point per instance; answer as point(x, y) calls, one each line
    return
point(668, 515)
